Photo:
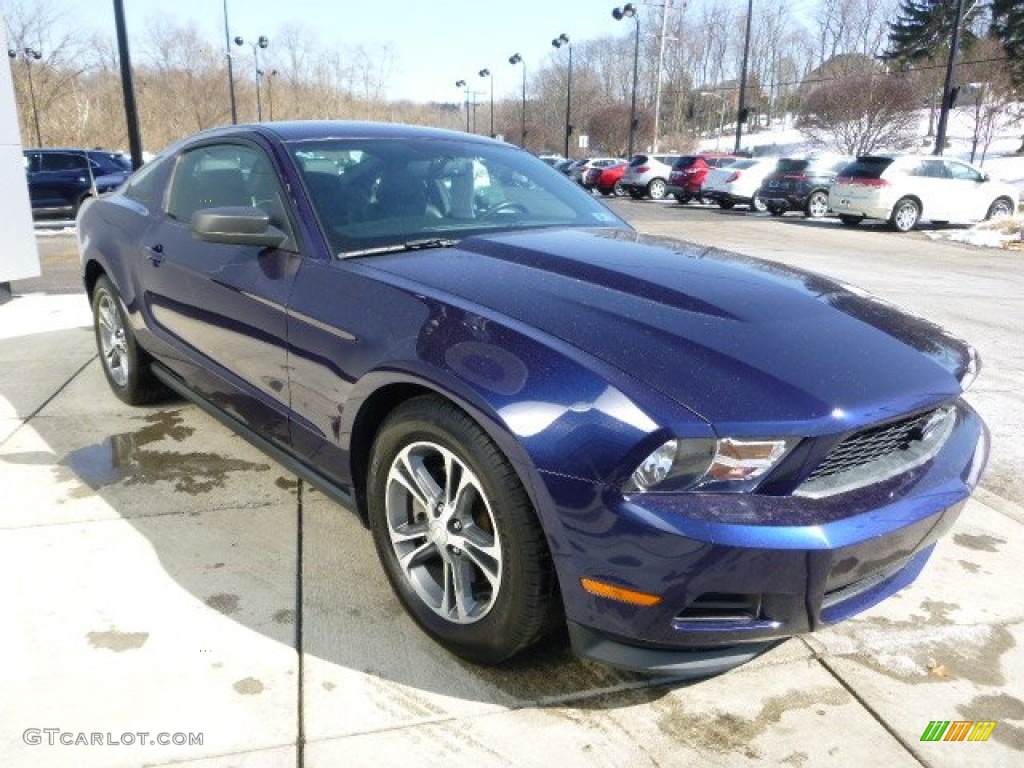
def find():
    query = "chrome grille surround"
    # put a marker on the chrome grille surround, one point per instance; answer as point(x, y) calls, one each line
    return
point(881, 452)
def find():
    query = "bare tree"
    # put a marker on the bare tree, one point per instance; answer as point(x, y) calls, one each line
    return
point(861, 113)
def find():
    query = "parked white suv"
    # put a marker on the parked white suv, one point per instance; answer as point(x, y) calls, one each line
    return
point(647, 175)
point(903, 189)
point(738, 183)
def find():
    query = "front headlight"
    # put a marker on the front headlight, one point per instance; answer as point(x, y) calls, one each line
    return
point(729, 465)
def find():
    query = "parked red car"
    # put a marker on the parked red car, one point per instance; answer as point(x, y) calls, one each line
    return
point(688, 174)
point(606, 180)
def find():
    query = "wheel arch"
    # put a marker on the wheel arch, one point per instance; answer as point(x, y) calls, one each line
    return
point(382, 400)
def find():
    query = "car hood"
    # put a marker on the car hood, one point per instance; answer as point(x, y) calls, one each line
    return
point(737, 340)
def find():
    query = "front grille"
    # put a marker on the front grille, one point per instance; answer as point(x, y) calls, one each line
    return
point(881, 452)
point(871, 444)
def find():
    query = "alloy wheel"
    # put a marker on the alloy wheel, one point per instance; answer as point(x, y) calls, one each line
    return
point(113, 344)
point(443, 532)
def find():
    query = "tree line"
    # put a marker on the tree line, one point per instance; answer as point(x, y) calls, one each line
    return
point(851, 70)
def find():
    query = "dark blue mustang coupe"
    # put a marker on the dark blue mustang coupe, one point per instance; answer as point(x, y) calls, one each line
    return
point(544, 417)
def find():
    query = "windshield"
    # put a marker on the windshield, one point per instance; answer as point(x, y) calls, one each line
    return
point(372, 193)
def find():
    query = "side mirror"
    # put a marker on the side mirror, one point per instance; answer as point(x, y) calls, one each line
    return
point(237, 225)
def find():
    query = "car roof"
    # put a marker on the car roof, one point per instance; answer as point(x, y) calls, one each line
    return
point(301, 130)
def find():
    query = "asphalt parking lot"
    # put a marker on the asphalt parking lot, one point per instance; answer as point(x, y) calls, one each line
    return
point(165, 578)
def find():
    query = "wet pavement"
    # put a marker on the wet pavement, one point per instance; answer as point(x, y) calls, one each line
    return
point(163, 577)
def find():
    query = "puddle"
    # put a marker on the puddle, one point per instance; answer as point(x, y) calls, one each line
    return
point(1001, 708)
point(125, 458)
point(728, 732)
point(979, 543)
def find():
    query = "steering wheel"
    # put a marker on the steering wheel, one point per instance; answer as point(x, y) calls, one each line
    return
point(504, 208)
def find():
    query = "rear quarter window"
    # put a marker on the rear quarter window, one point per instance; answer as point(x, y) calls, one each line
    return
point(867, 168)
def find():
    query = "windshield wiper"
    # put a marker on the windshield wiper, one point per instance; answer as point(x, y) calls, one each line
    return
point(409, 245)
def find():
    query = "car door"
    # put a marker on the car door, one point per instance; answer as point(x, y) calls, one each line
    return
point(931, 183)
point(222, 306)
point(968, 191)
point(62, 178)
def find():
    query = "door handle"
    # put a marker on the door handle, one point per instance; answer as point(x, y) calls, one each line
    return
point(155, 253)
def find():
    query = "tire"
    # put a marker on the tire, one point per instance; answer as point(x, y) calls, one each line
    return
point(816, 206)
point(905, 215)
point(850, 221)
point(473, 571)
point(682, 199)
point(726, 205)
point(618, 190)
point(757, 204)
point(656, 189)
point(1000, 208)
point(125, 364)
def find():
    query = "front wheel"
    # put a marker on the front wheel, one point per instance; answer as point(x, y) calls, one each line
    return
point(905, 215)
point(1000, 209)
point(757, 204)
point(457, 535)
point(817, 205)
point(656, 189)
point(618, 190)
point(125, 363)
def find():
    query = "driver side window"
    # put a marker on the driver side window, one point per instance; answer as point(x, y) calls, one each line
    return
point(226, 175)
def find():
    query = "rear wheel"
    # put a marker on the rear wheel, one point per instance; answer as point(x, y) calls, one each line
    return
point(125, 363)
point(656, 189)
point(1001, 208)
point(618, 190)
point(457, 535)
point(905, 214)
point(817, 204)
point(726, 205)
point(757, 204)
point(850, 221)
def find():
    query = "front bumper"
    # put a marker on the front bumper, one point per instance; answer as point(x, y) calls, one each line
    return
point(732, 569)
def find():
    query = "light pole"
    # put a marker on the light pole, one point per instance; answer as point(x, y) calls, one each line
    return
point(231, 70)
point(514, 59)
point(741, 109)
point(628, 11)
point(261, 42)
point(558, 42)
point(465, 85)
point(30, 55)
point(270, 89)
point(487, 73)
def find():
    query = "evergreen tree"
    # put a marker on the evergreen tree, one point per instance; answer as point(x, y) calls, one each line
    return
point(1008, 28)
point(924, 28)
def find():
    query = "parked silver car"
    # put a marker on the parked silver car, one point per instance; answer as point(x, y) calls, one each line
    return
point(647, 176)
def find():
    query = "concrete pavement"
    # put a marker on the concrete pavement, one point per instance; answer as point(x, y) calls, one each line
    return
point(161, 576)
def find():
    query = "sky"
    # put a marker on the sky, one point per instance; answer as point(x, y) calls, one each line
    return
point(434, 42)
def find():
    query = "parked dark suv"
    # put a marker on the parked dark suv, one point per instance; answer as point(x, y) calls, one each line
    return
point(688, 174)
point(801, 184)
point(60, 179)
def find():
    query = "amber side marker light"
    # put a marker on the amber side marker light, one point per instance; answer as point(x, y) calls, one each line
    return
point(621, 594)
